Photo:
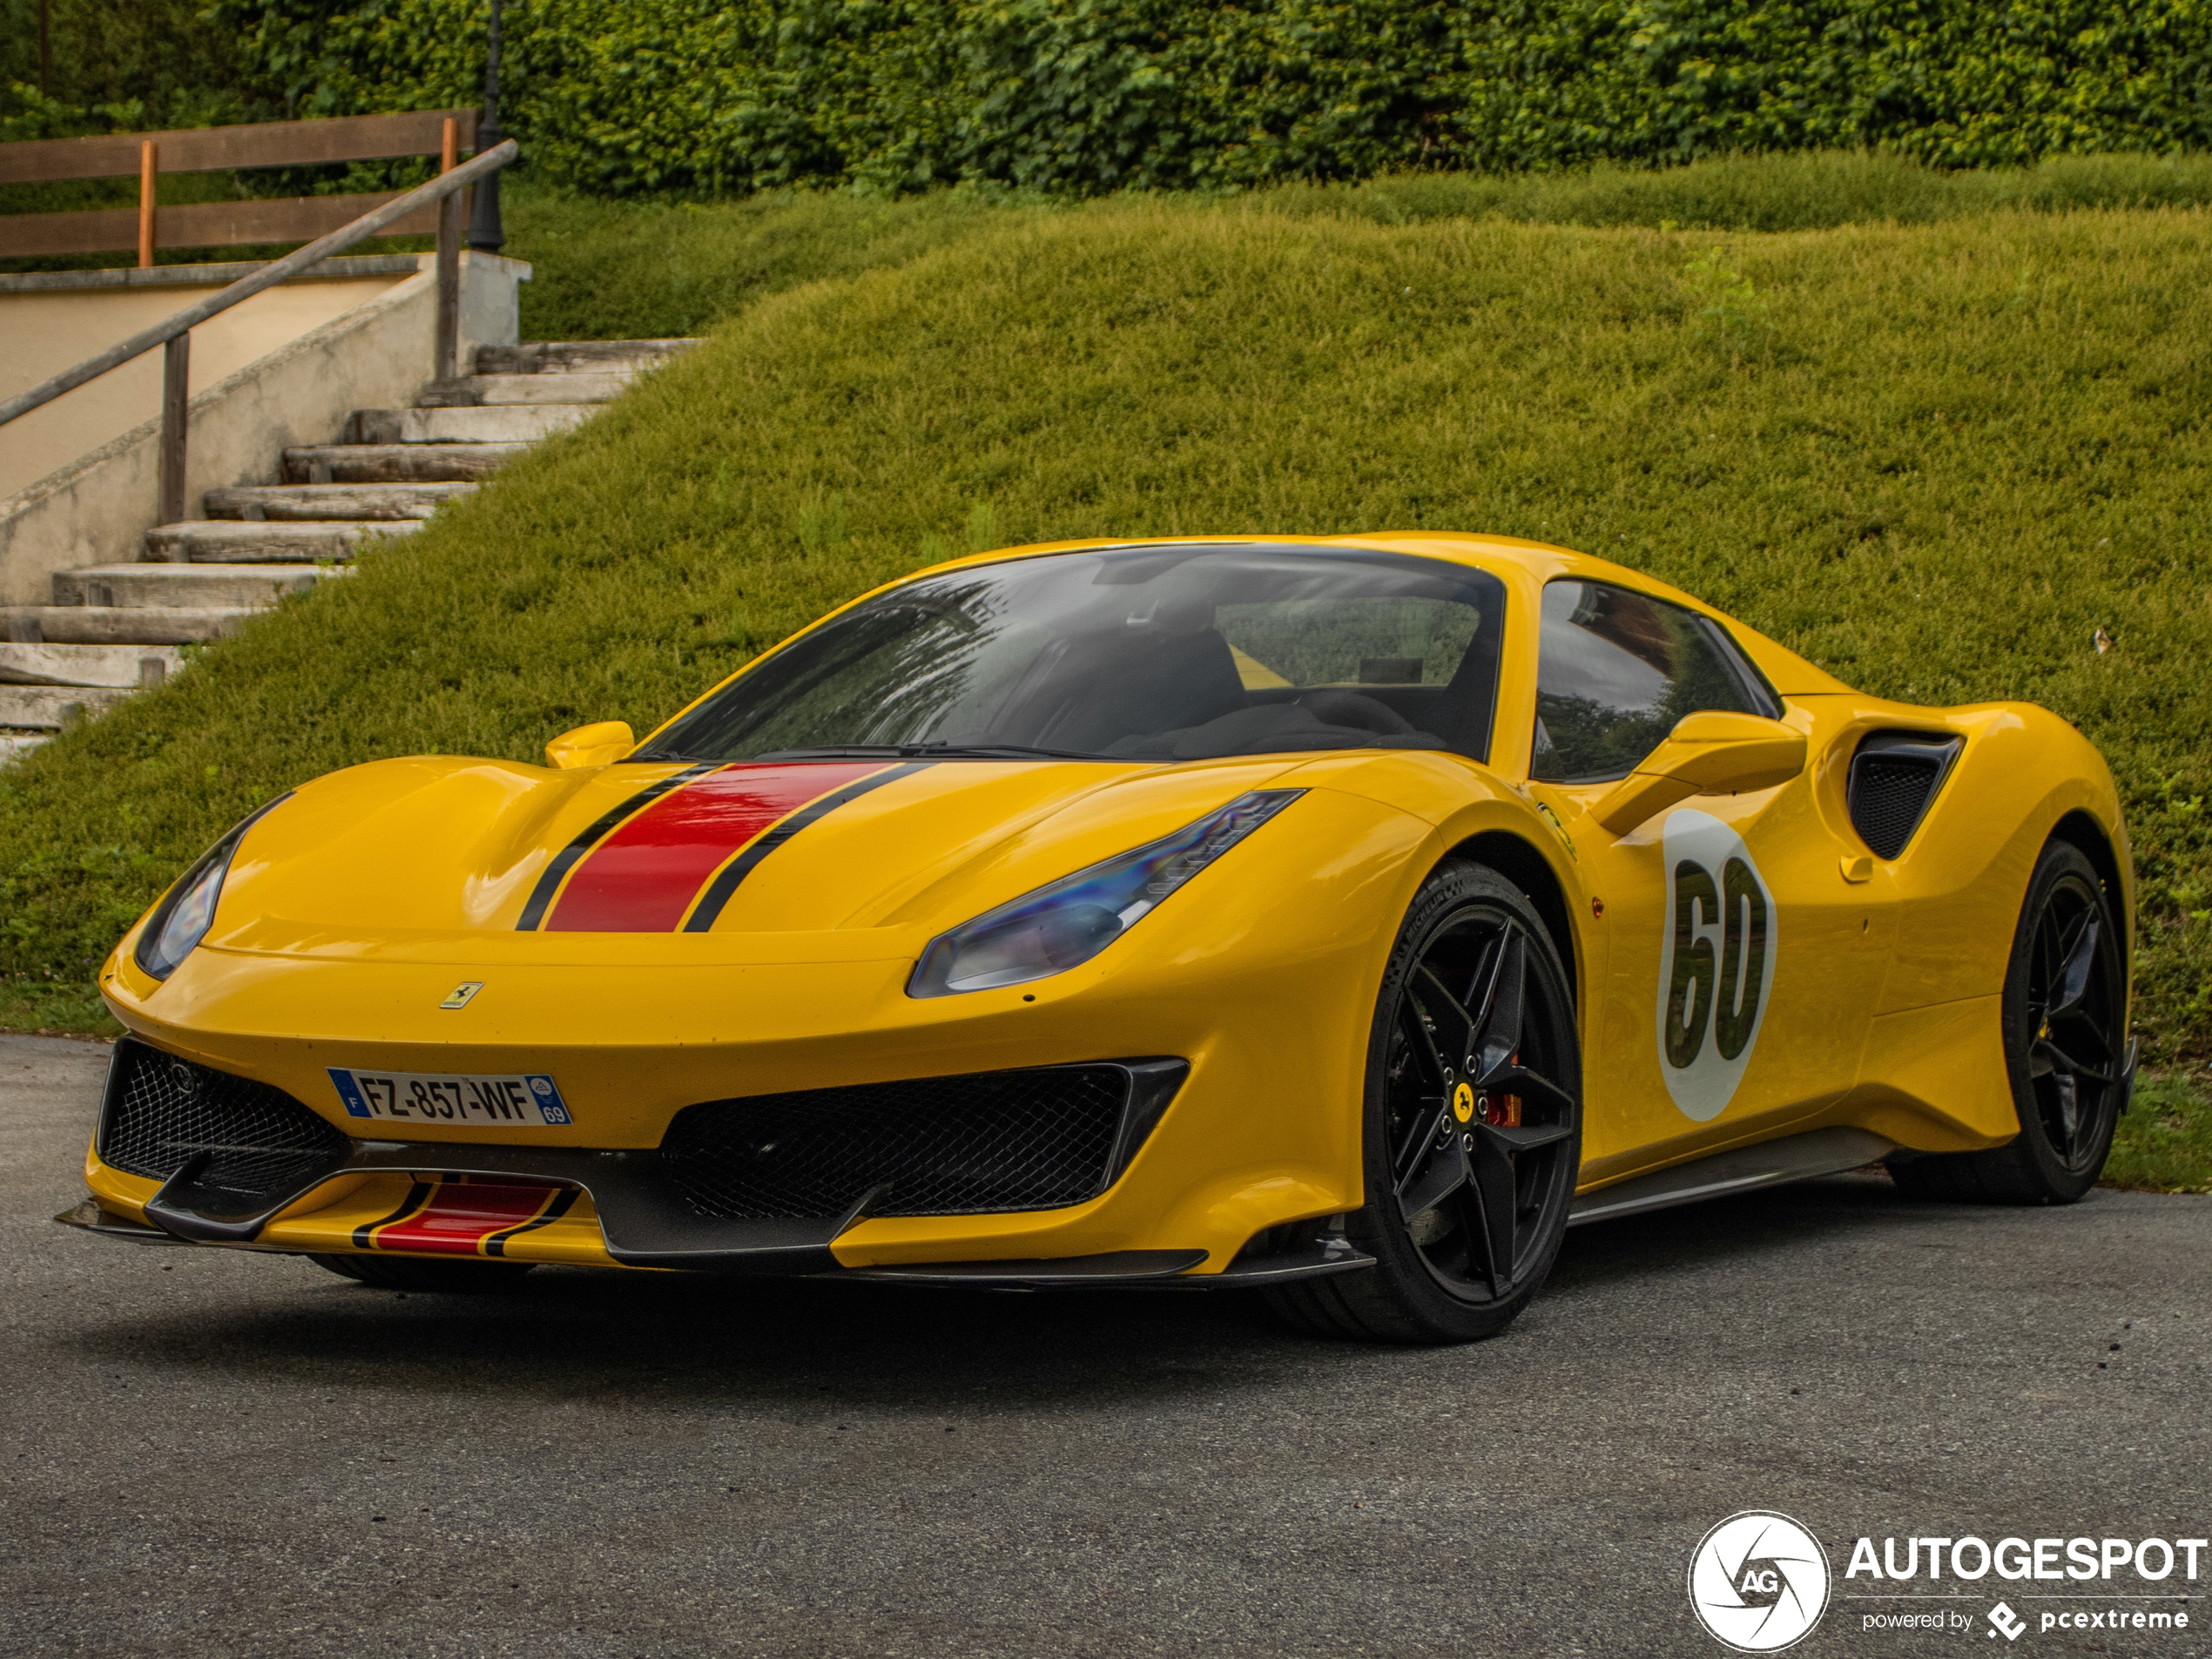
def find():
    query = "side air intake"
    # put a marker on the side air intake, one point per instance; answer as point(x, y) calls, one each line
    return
point(160, 1111)
point(1894, 776)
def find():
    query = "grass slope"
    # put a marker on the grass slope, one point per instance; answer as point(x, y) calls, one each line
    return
point(1937, 459)
point(609, 270)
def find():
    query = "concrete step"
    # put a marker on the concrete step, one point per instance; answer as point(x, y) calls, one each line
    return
point(576, 356)
point(491, 391)
point(333, 500)
point(230, 540)
point(193, 586)
point(125, 666)
point(16, 745)
point(512, 423)
point(394, 463)
point(121, 625)
point(54, 706)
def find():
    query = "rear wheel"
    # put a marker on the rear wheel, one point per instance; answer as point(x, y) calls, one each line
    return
point(1472, 1125)
point(2065, 1021)
point(469, 1276)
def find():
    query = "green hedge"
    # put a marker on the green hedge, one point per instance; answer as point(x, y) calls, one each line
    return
point(114, 65)
point(1087, 96)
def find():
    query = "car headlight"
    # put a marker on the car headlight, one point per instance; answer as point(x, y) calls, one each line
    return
point(1069, 922)
point(186, 911)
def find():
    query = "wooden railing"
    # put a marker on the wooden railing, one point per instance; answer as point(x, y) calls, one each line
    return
point(447, 134)
point(440, 197)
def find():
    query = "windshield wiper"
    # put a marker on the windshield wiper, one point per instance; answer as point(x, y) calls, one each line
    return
point(929, 751)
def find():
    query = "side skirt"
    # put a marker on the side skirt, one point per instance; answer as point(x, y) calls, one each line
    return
point(1741, 1168)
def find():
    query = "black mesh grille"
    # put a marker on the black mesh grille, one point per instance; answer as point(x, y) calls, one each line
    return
point(1893, 777)
point(160, 1111)
point(1888, 802)
point(946, 1146)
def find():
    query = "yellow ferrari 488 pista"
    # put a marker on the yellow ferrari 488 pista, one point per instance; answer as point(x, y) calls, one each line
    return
point(1342, 918)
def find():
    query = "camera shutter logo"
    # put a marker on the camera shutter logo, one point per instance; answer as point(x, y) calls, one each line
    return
point(1758, 1582)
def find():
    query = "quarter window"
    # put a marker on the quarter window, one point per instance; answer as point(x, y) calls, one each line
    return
point(1616, 669)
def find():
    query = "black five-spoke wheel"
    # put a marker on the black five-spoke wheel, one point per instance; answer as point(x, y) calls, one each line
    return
point(2065, 1017)
point(1474, 1123)
point(2073, 1043)
point(1476, 1128)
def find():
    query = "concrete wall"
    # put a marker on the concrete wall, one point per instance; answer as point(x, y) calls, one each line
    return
point(49, 328)
point(377, 353)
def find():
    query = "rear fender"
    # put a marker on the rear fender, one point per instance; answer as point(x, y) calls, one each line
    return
point(1958, 882)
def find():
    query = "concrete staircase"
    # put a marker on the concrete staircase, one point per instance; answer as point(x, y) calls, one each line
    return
point(115, 628)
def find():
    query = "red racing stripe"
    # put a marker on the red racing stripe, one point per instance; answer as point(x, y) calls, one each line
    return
point(462, 1215)
point(642, 879)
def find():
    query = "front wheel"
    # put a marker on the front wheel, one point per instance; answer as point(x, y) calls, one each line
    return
point(2064, 1015)
point(1473, 1125)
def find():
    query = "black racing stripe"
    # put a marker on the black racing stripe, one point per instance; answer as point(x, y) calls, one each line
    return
point(417, 1195)
point(549, 880)
point(563, 1202)
point(725, 883)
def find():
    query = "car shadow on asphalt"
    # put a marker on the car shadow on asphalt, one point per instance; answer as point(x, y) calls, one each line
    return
point(580, 1334)
point(584, 1333)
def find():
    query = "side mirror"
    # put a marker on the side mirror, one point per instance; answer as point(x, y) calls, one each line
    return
point(596, 745)
point(1706, 753)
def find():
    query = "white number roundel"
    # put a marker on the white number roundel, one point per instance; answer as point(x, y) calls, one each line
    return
point(1715, 961)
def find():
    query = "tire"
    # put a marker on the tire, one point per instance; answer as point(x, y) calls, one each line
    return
point(2065, 1020)
point(1472, 1112)
point(468, 1277)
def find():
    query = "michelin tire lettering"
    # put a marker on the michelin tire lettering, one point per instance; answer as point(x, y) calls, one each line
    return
point(1716, 962)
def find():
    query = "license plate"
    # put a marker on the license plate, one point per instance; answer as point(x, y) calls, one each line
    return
point(528, 1099)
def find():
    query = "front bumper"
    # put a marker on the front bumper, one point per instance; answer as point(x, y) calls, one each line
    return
point(1316, 1252)
point(211, 1157)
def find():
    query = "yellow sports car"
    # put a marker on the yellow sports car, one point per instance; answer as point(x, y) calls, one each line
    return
point(1341, 917)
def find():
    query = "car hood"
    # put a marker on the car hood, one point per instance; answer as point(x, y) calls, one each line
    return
point(442, 860)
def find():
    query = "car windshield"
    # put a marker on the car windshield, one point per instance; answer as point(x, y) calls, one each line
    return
point(1149, 653)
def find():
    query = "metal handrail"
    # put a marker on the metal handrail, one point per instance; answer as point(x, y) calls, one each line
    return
point(174, 334)
point(269, 276)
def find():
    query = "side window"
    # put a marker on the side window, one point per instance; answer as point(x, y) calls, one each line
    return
point(1616, 669)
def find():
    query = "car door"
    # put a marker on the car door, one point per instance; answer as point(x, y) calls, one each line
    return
point(1743, 966)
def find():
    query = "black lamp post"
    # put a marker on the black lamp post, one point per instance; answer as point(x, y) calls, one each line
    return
point(484, 230)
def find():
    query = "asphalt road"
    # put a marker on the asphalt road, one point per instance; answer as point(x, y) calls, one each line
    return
point(211, 1454)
